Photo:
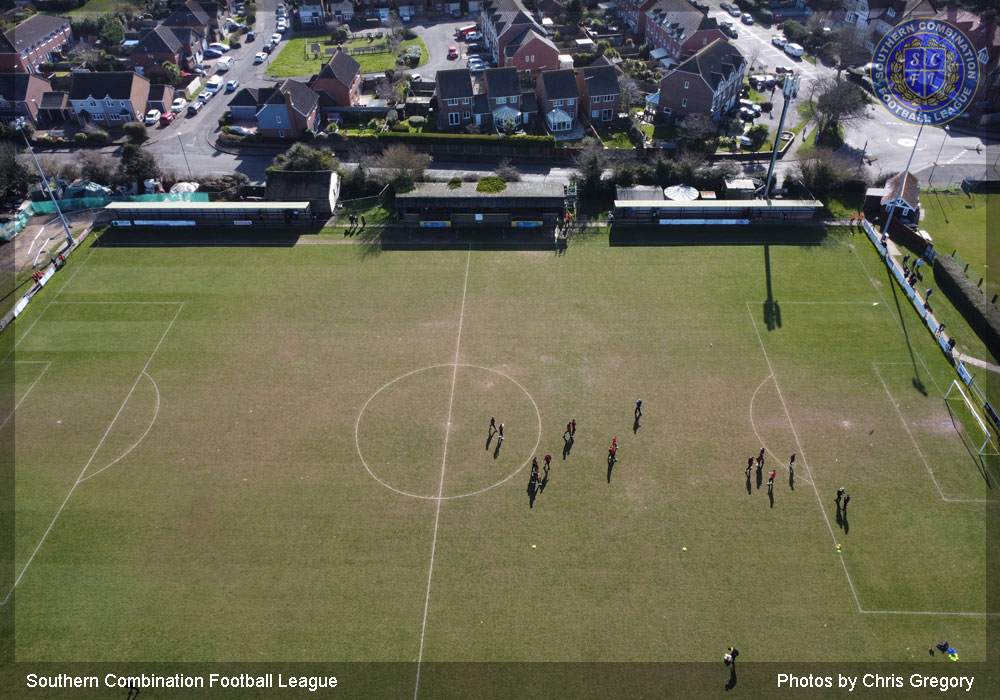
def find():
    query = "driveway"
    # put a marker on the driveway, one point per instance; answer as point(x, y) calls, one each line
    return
point(439, 35)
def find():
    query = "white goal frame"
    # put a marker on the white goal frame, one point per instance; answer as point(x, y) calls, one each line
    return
point(988, 438)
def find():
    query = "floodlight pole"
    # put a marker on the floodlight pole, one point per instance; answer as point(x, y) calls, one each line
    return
point(930, 180)
point(789, 90)
point(19, 124)
point(902, 182)
point(184, 153)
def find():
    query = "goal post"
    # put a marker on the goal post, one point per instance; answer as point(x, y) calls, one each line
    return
point(970, 424)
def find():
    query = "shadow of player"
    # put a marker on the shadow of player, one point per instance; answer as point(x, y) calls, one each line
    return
point(488, 441)
point(611, 466)
point(749, 486)
point(636, 426)
point(760, 476)
point(791, 478)
point(770, 496)
point(496, 450)
point(732, 677)
point(545, 479)
point(532, 493)
point(567, 446)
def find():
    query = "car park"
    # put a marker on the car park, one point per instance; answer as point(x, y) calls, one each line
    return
point(165, 119)
point(747, 18)
point(275, 38)
point(778, 41)
point(452, 53)
point(259, 57)
point(152, 116)
point(747, 114)
point(794, 50)
point(232, 86)
point(178, 106)
point(195, 107)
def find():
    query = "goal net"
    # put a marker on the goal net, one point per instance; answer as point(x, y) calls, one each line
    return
point(968, 422)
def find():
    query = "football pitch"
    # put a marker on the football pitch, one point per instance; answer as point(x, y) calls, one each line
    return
point(282, 454)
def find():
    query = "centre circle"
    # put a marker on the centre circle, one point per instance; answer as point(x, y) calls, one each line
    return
point(407, 443)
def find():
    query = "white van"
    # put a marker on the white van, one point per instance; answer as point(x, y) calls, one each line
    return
point(214, 84)
point(223, 64)
point(793, 49)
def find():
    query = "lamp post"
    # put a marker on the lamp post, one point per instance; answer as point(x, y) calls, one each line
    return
point(19, 124)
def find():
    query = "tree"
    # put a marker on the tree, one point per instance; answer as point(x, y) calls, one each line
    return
point(305, 158)
point(846, 50)
point(794, 31)
point(97, 167)
point(403, 165)
point(838, 102)
point(507, 172)
point(824, 172)
point(14, 176)
point(591, 162)
point(386, 90)
point(112, 31)
point(629, 91)
point(172, 71)
point(135, 131)
point(752, 54)
point(574, 11)
point(758, 135)
point(696, 128)
point(137, 165)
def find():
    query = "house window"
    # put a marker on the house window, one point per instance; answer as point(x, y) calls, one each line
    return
point(467, 115)
point(684, 102)
point(686, 84)
point(849, 18)
point(606, 115)
point(557, 103)
point(453, 119)
point(513, 100)
point(531, 59)
point(98, 117)
point(704, 42)
point(570, 102)
point(890, 13)
point(594, 113)
point(281, 134)
point(466, 100)
point(609, 98)
point(115, 117)
point(453, 102)
point(501, 100)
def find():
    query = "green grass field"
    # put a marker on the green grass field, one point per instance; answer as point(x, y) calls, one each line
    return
point(96, 7)
point(255, 439)
point(292, 59)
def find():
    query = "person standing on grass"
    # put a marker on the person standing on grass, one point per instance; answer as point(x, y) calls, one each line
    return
point(572, 425)
point(548, 461)
point(770, 480)
point(493, 424)
point(840, 494)
point(363, 222)
point(791, 463)
point(501, 432)
point(569, 430)
point(733, 653)
point(614, 442)
point(749, 466)
point(534, 471)
point(638, 408)
point(847, 499)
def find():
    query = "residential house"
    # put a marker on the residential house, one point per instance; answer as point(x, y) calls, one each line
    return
point(453, 97)
point(108, 100)
point(502, 21)
point(530, 51)
point(160, 97)
point(312, 14)
point(709, 82)
point(503, 93)
point(182, 46)
point(247, 101)
point(342, 11)
point(21, 96)
point(32, 42)
point(558, 99)
point(289, 111)
point(984, 33)
point(872, 19)
point(340, 78)
point(676, 29)
point(192, 16)
point(54, 108)
point(378, 8)
point(599, 94)
point(906, 203)
point(634, 14)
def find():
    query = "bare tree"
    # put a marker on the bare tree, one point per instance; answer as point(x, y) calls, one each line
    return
point(752, 54)
point(841, 101)
point(387, 90)
point(696, 128)
point(403, 165)
point(98, 167)
point(629, 89)
point(58, 167)
point(847, 50)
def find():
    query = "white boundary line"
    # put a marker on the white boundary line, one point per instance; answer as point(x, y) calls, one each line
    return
point(357, 438)
point(754, 425)
point(79, 479)
point(923, 459)
point(21, 400)
point(843, 563)
point(156, 412)
point(444, 461)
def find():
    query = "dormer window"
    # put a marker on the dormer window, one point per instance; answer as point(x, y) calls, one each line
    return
point(890, 13)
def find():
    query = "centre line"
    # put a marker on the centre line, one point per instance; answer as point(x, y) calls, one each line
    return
point(444, 461)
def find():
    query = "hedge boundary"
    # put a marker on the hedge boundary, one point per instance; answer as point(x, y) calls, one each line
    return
point(969, 300)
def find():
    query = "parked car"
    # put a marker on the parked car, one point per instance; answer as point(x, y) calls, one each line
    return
point(747, 115)
point(794, 50)
point(753, 107)
point(778, 41)
point(477, 67)
point(731, 31)
point(268, 48)
point(198, 70)
point(416, 78)
point(744, 142)
point(474, 36)
point(232, 86)
point(178, 106)
point(762, 80)
point(703, 6)
point(275, 38)
point(240, 130)
point(152, 116)
point(165, 119)
point(476, 48)
point(284, 28)
point(205, 95)
point(212, 53)
point(251, 36)
point(219, 46)
point(214, 84)
point(725, 6)
point(734, 11)
point(783, 69)
point(747, 18)
point(224, 64)
point(259, 57)
point(195, 107)
point(452, 53)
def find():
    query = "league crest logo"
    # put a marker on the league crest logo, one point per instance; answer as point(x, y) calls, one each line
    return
point(925, 71)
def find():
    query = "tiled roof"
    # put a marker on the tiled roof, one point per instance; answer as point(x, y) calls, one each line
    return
point(502, 82)
point(342, 68)
point(680, 18)
point(246, 97)
point(559, 84)
point(911, 190)
point(53, 100)
point(303, 98)
point(602, 80)
point(117, 86)
point(454, 83)
point(714, 63)
point(31, 31)
point(14, 86)
point(159, 39)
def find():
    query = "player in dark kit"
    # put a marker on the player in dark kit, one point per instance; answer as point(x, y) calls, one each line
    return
point(501, 432)
point(548, 460)
point(749, 466)
point(493, 424)
point(770, 480)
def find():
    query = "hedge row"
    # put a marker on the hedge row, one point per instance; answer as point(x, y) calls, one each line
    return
point(462, 139)
point(981, 315)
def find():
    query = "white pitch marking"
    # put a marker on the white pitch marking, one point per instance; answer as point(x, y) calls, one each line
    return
point(93, 454)
point(18, 404)
point(444, 461)
point(156, 412)
point(754, 425)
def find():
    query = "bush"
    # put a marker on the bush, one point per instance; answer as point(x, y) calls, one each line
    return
point(391, 118)
point(766, 106)
point(454, 183)
point(491, 184)
point(417, 122)
point(982, 316)
point(400, 128)
point(583, 59)
point(409, 34)
point(135, 131)
point(80, 137)
point(98, 138)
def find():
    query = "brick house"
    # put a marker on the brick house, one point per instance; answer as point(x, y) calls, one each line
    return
point(872, 19)
point(108, 100)
point(21, 96)
point(192, 16)
point(31, 43)
point(502, 21)
point(288, 111)
point(340, 78)
point(342, 12)
point(600, 95)
point(634, 14)
point(160, 97)
point(312, 14)
point(984, 33)
point(181, 46)
point(708, 82)
point(679, 28)
point(453, 98)
point(558, 99)
point(503, 94)
point(530, 51)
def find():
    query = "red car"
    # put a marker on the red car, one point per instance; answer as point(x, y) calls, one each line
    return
point(452, 52)
point(167, 118)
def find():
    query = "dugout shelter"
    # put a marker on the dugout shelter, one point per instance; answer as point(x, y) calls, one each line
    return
point(522, 205)
point(219, 214)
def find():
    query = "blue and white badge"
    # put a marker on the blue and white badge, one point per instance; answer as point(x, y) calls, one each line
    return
point(925, 71)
